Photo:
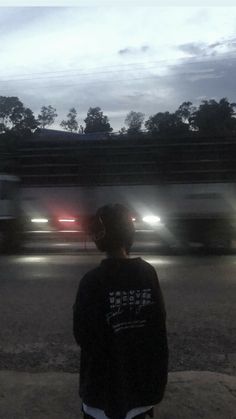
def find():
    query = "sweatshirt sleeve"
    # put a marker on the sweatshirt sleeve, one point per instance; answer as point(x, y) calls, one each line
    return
point(159, 324)
point(158, 295)
point(88, 315)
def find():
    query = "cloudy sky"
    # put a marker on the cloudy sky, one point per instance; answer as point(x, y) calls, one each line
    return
point(120, 57)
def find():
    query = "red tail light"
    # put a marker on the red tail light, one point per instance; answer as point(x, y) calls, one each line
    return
point(67, 220)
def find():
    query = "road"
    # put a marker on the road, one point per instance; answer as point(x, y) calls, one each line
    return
point(37, 291)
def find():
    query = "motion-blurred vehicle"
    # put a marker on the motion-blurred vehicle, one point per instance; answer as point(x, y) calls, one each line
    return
point(11, 225)
point(180, 190)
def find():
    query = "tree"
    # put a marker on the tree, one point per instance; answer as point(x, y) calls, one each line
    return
point(166, 123)
point(134, 121)
point(47, 116)
point(96, 121)
point(27, 122)
point(186, 112)
point(14, 116)
point(123, 131)
point(70, 124)
point(214, 117)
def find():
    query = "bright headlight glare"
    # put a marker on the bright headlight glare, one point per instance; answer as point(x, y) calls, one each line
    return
point(151, 219)
point(39, 220)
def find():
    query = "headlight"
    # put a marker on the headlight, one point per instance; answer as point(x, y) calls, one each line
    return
point(152, 219)
point(39, 220)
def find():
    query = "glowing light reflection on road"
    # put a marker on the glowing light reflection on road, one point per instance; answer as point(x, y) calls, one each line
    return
point(158, 261)
point(31, 259)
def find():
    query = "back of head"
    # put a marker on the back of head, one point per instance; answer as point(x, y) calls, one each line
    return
point(112, 228)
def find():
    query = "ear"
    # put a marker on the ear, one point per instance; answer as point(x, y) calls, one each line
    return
point(99, 230)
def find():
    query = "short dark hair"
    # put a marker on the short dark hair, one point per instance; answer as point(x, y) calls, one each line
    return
point(112, 228)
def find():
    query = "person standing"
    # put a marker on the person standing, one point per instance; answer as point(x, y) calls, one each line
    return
point(119, 321)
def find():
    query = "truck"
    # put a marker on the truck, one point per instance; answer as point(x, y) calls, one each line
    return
point(11, 237)
point(174, 216)
point(180, 190)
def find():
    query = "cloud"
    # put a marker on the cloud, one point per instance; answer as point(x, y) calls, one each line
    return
point(226, 44)
point(133, 50)
point(193, 48)
point(125, 51)
point(204, 49)
point(210, 77)
point(190, 79)
point(216, 44)
point(145, 48)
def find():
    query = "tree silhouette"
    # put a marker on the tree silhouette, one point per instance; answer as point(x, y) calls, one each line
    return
point(47, 116)
point(70, 124)
point(166, 123)
point(186, 112)
point(214, 117)
point(14, 116)
point(96, 121)
point(134, 121)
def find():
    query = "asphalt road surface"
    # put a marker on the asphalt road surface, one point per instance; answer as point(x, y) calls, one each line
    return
point(37, 292)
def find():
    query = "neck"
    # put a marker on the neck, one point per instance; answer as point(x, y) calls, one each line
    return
point(118, 254)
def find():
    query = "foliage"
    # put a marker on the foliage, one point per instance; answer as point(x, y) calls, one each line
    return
point(14, 116)
point(166, 123)
point(209, 118)
point(70, 124)
point(186, 112)
point(47, 116)
point(96, 121)
point(123, 131)
point(134, 121)
point(215, 117)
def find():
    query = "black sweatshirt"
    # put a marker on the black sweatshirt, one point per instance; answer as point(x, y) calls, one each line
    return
point(119, 322)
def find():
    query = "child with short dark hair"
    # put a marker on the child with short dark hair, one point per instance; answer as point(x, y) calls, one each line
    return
point(120, 325)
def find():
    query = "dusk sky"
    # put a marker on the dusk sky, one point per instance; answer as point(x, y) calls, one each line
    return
point(120, 58)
